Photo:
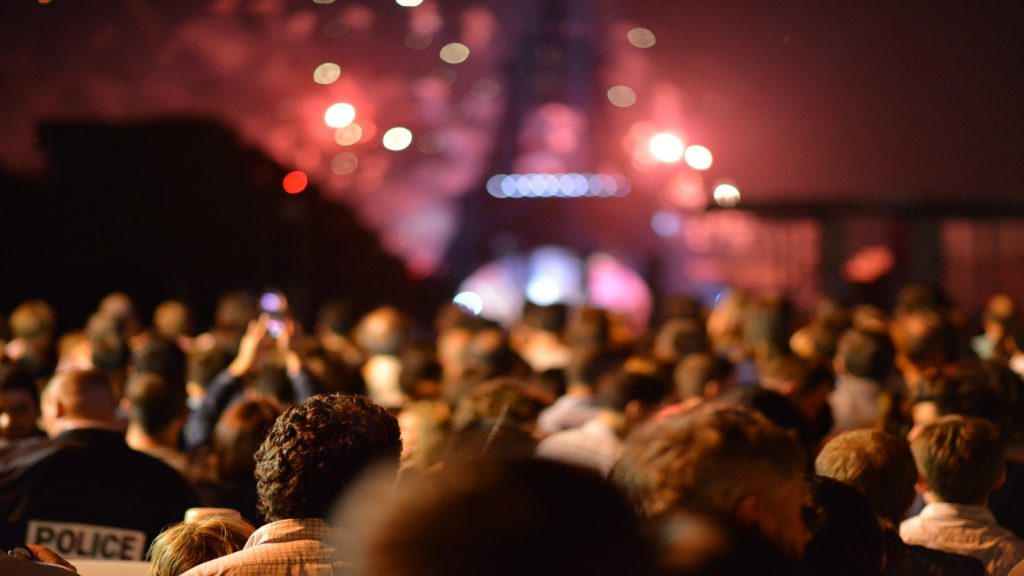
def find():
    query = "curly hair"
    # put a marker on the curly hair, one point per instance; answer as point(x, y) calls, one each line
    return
point(316, 449)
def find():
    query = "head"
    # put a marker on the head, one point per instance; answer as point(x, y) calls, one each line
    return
point(960, 460)
point(722, 460)
point(502, 518)
point(846, 537)
point(804, 384)
point(161, 357)
point(315, 450)
point(172, 319)
point(19, 403)
point(632, 394)
point(188, 544)
point(877, 463)
point(702, 375)
point(156, 406)
point(865, 354)
point(239, 432)
point(588, 367)
point(78, 395)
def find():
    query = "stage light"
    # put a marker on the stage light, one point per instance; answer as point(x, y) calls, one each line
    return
point(340, 115)
point(326, 73)
point(295, 182)
point(348, 135)
point(726, 195)
point(665, 224)
point(397, 138)
point(471, 301)
point(622, 96)
point(344, 163)
point(698, 157)
point(409, 3)
point(666, 147)
point(454, 53)
point(641, 37)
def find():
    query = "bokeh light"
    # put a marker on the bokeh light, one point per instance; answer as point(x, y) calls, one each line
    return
point(666, 147)
point(397, 138)
point(348, 135)
point(340, 115)
point(432, 143)
point(418, 41)
point(698, 157)
point(455, 53)
point(295, 182)
point(641, 37)
point(409, 3)
point(471, 301)
point(344, 163)
point(665, 223)
point(326, 73)
point(726, 195)
point(485, 89)
point(622, 96)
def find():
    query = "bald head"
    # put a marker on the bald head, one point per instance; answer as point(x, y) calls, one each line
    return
point(78, 395)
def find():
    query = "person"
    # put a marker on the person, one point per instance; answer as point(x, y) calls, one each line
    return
point(312, 454)
point(723, 460)
point(587, 370)
point(961, 461)
point(881, 466)
point(846, 539)
point(84, 492)
point(625, 402)
point(499, 517)
point(862, 363)
point(156, 415)
point(189, 544)
point(19, 405)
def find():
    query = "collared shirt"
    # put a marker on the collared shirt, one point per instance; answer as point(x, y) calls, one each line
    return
point(594, 445)
point(968, 530)
point(292, 547)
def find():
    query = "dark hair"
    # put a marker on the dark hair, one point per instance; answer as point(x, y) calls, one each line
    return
point(877, 463)
point(13, 377)
point(316, 449)
point(866, 354)
point(507, 518)
point(204, 364)
point(239, 432)
point(694, 371)
point(154, 402)
point(961, 458)
point(161, 357)
point(846, 537)
point(589, 365)
point(626, 386)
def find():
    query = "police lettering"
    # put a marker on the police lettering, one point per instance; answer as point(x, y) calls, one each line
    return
point(87, 541)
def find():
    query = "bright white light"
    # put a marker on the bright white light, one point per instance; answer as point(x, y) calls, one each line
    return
point(622, 96)
point(397, 138)
point(698, 157)
point(665, 224)
point(543, 291)
point(666, 147)
point(454, 53)
point(726, 195)
point(470, 301)
point(641, 37)
point(326, 73)
point(409, 3)
point(340, 115)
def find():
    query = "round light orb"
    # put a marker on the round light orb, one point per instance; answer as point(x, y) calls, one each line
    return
point(340, 115)
point(327, 73)
point(666, 147)
point(454, 53)
point(408, 3)
point(641, 37)
point(471, 301)
point(622, 96)
point(397, 138)
point(698, 157)
point(726, 195)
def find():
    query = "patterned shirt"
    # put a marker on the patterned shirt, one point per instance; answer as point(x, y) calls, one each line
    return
point(284, 548)
point(593, 445)
point(968, 530)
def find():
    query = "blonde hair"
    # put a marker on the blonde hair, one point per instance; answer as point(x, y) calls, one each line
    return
point(188, 544)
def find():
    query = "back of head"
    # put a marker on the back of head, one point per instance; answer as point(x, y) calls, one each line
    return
point(865, 354)
point(588, 366)
point(505, 518)
point(961, 459)
point(316, 449)
point(706, 461)
point(155, 404)
point(33, 320)
point(703, 545)
point(628, 386)
point(695, 371)
point(877, 463)
point(239, 432)
point(846, 537)
point(172, 319)
point(188, 544)
point(161, 357)
point(80, 394)
point(19, 402)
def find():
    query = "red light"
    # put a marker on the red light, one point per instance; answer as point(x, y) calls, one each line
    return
point(295, 182)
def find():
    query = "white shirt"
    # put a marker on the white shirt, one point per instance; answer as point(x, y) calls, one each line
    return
point(968, 530)
point(593, 445)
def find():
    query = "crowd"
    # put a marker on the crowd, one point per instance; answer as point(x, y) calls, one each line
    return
point(745, 438)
